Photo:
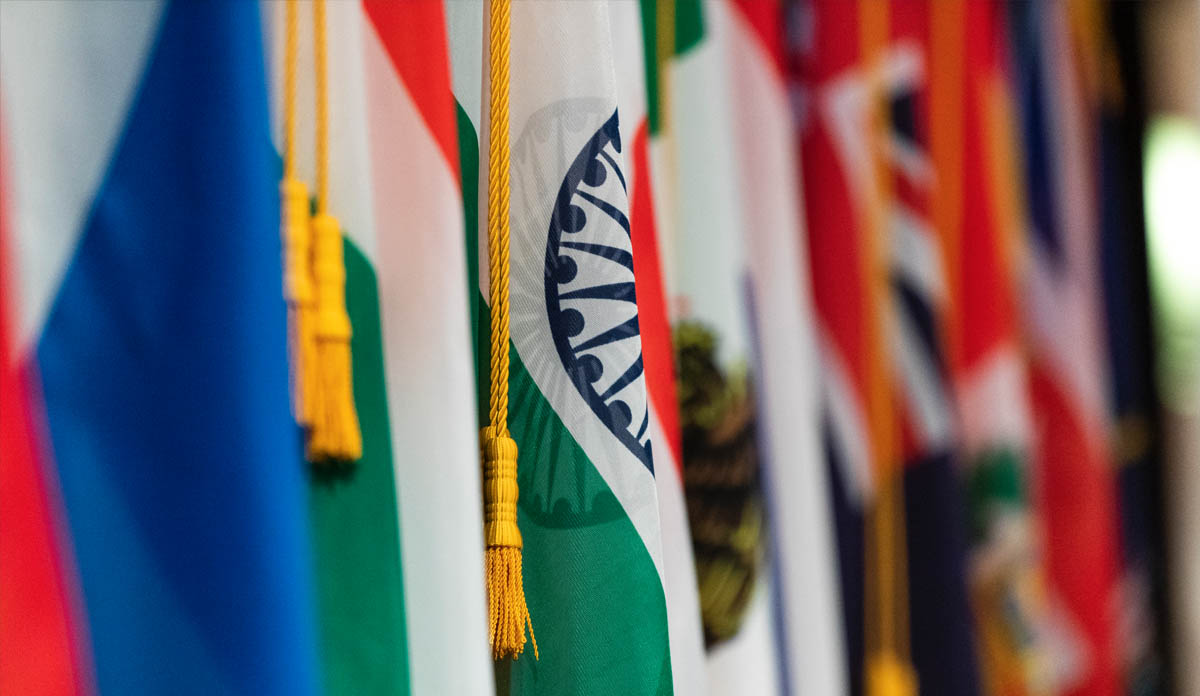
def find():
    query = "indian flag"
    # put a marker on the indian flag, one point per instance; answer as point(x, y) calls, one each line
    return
point(398, 535)
point(588, 512)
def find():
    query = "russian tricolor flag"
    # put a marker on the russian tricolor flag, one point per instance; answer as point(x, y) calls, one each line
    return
point(152, 523)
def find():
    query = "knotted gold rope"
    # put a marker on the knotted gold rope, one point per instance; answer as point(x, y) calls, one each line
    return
point(508, 615)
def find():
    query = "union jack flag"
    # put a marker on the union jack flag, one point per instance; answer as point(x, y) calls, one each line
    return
point(1065, 327)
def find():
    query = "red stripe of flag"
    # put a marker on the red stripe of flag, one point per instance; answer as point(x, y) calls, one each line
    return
point(653, 325)
point(38, 649)
point(413, 33)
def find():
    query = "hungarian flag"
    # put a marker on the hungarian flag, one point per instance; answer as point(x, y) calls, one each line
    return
point(396, 533)
point(880, 289)
point(977, 210)
point(719, 381)
point(1065, 332)
point(141, 204)
point(578, 406)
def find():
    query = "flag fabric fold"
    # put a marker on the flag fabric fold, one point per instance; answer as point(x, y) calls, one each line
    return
point(147, 220)
point(578, 407)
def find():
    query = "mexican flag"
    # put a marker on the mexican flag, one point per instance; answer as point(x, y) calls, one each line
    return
point(398, 534)
point(751, 34)
point(720, 384)
point(578, 406)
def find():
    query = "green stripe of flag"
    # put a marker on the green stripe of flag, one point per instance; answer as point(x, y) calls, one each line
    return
point(596, 599)
point(689, 29)
point(356, 532)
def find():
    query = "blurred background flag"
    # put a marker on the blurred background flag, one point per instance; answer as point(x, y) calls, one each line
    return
point(42, 646)
point(1108, 40)
point(393, 167)
point(1068, 367)
point(978, 213)
point(766, 177)
point(719, 385)
point(865, 137)
point(145, 215)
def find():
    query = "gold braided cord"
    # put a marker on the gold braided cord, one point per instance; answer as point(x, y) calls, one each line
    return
point(508, 612)
point(888, 666)
point(880, 629)
point(498, 209)
point(290, 50)
point(322, 106)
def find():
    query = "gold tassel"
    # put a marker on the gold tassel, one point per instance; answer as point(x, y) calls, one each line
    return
point(508, 615)
point(888, 675)
point(335, 434)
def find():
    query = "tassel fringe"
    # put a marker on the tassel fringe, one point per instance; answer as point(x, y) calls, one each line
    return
point(335, 432)
point(888, 675)
point(508, 614)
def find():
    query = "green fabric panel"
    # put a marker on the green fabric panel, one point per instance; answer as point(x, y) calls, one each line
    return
point(594, 595)
point(356, 528)
point(995, 481)
point(650, 56)
point(689, 25)
point(689, 30)
point(468, 158)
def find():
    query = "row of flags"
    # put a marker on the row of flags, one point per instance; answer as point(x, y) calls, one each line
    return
point(827, 369)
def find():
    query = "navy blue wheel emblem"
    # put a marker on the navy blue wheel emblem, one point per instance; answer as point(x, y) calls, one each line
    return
point(590, 297)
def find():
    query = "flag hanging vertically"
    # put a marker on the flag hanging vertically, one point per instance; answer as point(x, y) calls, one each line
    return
point(976, 210)
point(415, 168)
point(766, 177)
point(1110, 37)
point(635, 55)
point(1065, 334)
point(704, 248)
point(147, 225)
point(41, 648)
point(385, 625)
point(880, 289)
point(578, 407)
